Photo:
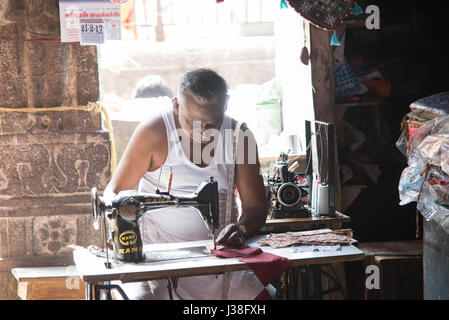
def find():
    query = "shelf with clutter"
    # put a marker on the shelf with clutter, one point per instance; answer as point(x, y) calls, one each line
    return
point(361, 91)
point(380, 76)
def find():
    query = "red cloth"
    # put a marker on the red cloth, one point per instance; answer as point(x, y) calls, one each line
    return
point(266, 266)
point(263, 295)
point(236, 253)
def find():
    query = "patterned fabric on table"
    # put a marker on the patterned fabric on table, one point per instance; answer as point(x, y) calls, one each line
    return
point(322, 237)
point(325, 14)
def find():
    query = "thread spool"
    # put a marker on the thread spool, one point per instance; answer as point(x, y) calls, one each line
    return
point(312, 202)
point(323, 200)
point(315, 184)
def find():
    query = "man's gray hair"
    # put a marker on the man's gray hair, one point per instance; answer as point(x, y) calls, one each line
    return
point(204, 86)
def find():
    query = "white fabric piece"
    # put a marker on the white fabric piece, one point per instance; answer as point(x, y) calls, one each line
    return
point(316, 248)
point(185, 224)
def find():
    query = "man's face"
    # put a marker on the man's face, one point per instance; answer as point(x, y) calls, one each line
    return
point(198, 122)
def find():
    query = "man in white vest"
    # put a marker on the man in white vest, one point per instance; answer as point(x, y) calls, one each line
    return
point(191, 137)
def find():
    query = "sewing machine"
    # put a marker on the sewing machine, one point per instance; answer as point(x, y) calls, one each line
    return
point(286, 191)
point(124, 212)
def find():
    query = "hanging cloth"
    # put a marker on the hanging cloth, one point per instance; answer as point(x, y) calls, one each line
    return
point(327, 15)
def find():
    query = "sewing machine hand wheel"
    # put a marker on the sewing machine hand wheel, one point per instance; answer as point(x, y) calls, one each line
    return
point(96, 210)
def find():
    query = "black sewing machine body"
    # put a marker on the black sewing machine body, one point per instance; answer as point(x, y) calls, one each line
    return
point(125, 211)
point(286, 192)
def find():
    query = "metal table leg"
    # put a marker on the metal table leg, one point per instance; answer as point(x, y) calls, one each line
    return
point(89, 291)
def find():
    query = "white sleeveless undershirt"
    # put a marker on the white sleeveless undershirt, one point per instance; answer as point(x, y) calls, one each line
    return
point(186, 224)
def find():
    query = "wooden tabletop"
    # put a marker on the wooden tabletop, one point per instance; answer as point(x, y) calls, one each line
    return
point(49, 283)
point(92, 269)
point(393, 248)
point(339, 218)
point(25, 274)
point(308, 223)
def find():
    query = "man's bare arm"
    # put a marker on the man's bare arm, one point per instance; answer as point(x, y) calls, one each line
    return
point(137, 159)
point(252, 195)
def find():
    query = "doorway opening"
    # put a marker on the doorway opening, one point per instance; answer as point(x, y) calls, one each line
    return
point(254, 44)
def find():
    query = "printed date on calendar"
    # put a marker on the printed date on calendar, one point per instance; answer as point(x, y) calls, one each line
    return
point(97, 28)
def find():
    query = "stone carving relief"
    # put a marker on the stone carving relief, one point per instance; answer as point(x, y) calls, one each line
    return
point(41, 16)
point(3, 180)
point(82, 167)
point(51, 121)
point(53, 234)
point(42, 74)
point(48, 160)
point(51, 168)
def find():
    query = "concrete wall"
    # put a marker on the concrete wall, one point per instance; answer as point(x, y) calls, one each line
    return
point(246, 60)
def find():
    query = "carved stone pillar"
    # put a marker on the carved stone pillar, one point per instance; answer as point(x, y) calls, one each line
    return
point(48, 160)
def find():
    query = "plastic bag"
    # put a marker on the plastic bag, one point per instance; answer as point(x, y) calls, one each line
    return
point(430, 137)
point(434, 191)
point(401, 144)
point(268, 111)
point(428, 170)
point(409, 185)
point(433, 201)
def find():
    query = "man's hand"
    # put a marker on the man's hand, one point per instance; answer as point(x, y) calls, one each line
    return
point(231, 236)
